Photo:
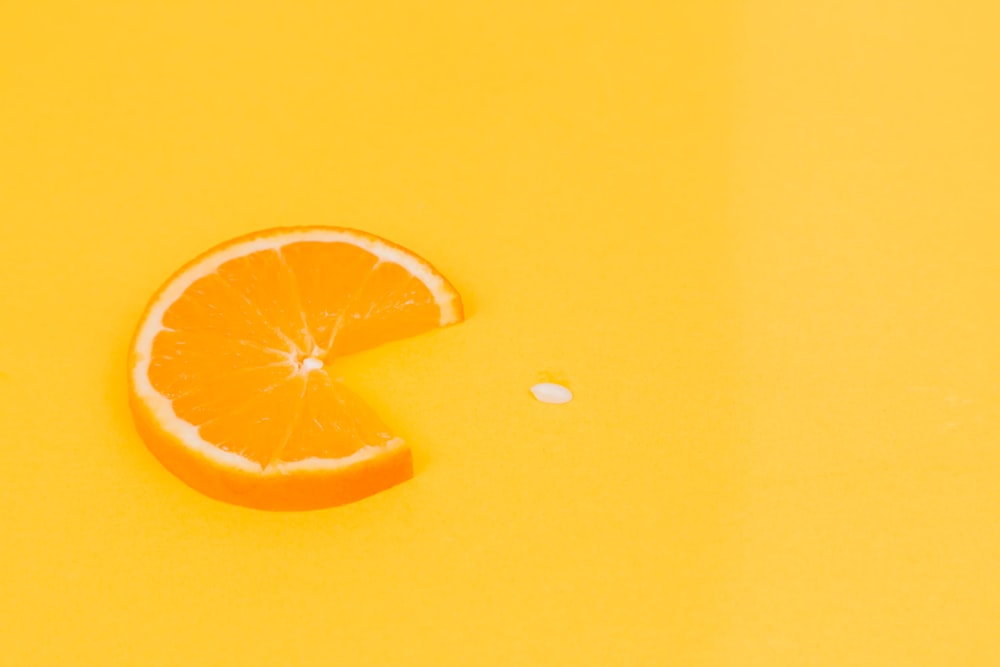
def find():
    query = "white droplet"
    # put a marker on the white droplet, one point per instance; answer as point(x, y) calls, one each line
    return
point(311, 364)
point(549, 392)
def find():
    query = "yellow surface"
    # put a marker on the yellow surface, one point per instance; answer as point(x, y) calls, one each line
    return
point(758, 239)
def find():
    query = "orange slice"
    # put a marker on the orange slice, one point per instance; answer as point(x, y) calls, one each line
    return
point(229, 378)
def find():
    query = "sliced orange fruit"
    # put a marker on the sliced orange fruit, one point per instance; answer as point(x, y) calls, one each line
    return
point(229, 378)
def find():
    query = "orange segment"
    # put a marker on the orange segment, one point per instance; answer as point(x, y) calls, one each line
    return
point(183, 361)
point(333, 424)
point(263, 279)
point(323, 307)
point(211, 305)
point(391, 305)
point(229, 368)
point(259, 428)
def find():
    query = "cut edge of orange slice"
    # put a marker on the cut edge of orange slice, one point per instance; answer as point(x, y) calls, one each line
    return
point(178, 440)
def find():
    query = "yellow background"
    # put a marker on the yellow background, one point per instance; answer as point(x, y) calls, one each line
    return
point(758, 239)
